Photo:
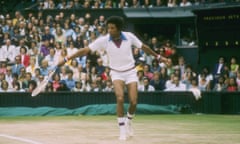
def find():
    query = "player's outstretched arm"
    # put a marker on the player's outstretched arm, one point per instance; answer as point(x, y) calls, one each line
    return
point(80, 52)
point(148, 50)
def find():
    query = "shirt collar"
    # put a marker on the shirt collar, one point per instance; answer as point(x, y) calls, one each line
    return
point(122, 37)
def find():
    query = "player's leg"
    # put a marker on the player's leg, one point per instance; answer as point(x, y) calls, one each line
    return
point(119, 92)
point(133, 95)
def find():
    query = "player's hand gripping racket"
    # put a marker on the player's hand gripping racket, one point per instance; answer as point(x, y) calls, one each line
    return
point(43, 84)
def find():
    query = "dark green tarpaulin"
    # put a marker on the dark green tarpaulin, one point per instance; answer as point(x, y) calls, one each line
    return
point(103, 109)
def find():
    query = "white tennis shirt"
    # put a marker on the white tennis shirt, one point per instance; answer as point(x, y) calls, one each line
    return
point(118, 58)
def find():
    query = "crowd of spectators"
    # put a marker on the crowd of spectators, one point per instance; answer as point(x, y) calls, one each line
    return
point(99, 4)
point(31, 46)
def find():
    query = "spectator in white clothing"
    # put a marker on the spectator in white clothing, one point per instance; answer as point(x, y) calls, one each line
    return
point(146, 86)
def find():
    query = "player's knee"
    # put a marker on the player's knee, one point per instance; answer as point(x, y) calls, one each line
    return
point(120, 99)
point(133, 102)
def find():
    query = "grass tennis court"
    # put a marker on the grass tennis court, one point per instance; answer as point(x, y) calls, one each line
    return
point(149, 129)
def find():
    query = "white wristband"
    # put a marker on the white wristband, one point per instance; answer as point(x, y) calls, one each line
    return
point(159, 56)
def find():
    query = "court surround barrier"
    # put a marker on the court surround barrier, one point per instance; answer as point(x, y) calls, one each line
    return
point(210, 103)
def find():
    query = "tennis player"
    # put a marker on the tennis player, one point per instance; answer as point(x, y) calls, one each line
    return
point(118, 45)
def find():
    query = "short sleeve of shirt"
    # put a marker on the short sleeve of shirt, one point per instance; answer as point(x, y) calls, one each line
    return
point(99, 44)
point(135, 41)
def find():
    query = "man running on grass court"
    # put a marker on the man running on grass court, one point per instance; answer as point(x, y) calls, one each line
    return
point(118, 46)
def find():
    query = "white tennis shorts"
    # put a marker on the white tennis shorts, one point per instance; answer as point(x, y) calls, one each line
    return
point(126, 76)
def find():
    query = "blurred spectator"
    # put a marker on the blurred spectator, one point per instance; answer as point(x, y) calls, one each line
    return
point(220, 85)
point(185, 3)
point(146, 86)
point(147, 72)
point(171, 3)
point(232, 86)
point(51, 58)
point(4, 86)
point(32, 67)
point(234, 67)
point(177, 85)
point(70, 82)
point(218, 68)
point(78, 87)
point(157, 82)
point(56, 81)
point(25, 58)
point(3, 67)
point(17, 65)
point(8, 51)
point(108, 87)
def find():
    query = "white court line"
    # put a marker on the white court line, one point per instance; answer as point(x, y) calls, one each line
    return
point(19, 139)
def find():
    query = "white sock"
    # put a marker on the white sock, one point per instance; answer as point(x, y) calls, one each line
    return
point(129, 116)
point(121, 123)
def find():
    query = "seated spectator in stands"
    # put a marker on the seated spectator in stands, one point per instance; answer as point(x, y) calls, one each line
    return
point(195, 89)
point(37, 56)
point(218, 68)
point(45, 68)
point(220, 86)
point(147, 72)
point(4, 86)
point(78, 87)
point(135, 4)
point(17, 88)
point(51, 58)
point(185, 3)
point(74, 67)
point(108, 87)
point(56, 81)
point(140, 64)
point(146, 86)
point(95, 87)
point(154, 44)
point(31, 86)
point(31, 68)
point(155, 67)
point(63, 72)
point(232, 86)
point(100, 68)
point(3, 67)
point(25, 58)
point(171, 3)
point(45, 48)
point(208, 75)
point(69, 32)
point(106, 74)
point(59, 35)
point(9, 76)
point(17, 65)
point(47, 35)
point(8, 51)
point(238, 80)
point(203, 84)
point(63, 55)
point(147, 4)
point(177, 85)
point(2, 77)
point(71, 49)
point(26, 80)
point(49, 87)
point(234, 67)
point(122, 4)
point(70, 82)
point(157, 82)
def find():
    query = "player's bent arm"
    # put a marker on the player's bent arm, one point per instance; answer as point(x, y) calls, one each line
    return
point(80, 52)
point(148, 50)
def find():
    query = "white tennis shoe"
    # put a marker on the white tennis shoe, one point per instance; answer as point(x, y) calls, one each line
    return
point(123, 134)
point(129, 129)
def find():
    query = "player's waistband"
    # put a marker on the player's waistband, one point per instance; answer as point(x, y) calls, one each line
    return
point(123, 70)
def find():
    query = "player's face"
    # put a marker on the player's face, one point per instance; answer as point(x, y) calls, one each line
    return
point(113, 31)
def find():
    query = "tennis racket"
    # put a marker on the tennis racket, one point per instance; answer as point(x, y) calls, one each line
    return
point(43, 84)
